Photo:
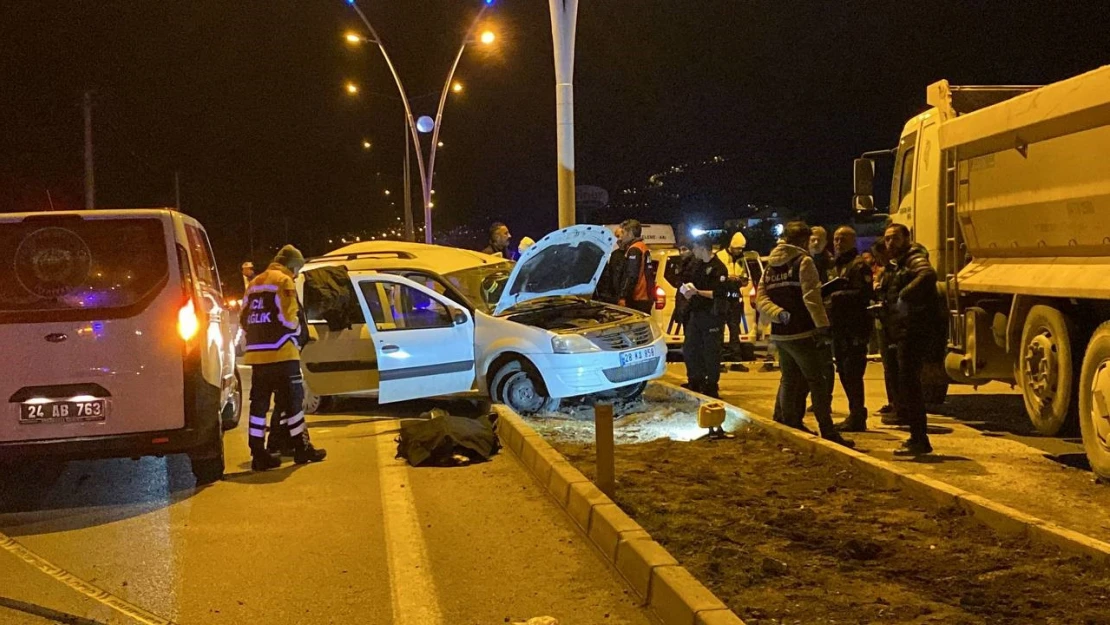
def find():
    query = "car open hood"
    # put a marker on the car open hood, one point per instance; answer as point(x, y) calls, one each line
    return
point(565, 262)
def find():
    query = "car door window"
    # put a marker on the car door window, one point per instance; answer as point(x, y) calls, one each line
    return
point(401, 307)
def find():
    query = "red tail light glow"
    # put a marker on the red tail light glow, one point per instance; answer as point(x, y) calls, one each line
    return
point(660, 298)
point(187, 322)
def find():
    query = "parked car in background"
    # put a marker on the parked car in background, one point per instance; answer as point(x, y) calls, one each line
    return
point(116, 339)
point(426, 321)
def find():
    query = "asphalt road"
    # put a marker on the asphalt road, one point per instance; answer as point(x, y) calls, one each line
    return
point(359, 538)
point(983, 443)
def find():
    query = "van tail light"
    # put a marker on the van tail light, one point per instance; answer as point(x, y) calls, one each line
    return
point(187, 323)
point(660, 298)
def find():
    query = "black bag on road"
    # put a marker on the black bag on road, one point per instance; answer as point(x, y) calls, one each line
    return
point(438, 440)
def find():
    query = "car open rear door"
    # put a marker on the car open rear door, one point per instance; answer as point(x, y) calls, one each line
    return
point(423, 341)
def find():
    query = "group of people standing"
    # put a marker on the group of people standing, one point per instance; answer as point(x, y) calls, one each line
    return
point(820, 304)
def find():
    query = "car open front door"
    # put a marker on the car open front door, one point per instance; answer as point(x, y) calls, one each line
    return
point(423, 341)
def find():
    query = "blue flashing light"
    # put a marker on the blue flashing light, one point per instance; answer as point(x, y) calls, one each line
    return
point(489, 1)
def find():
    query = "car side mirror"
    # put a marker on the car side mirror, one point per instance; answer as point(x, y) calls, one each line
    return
point(863, 186)
point(458, 316)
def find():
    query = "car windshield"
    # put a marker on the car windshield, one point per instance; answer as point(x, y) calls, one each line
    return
point(482, 285)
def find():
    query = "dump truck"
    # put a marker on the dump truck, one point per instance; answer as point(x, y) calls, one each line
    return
point(1008, 188)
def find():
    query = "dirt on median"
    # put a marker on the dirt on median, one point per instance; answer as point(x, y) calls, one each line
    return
point(782, 537)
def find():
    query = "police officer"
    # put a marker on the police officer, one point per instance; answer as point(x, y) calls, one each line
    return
point(705, 290)
point(275, 333)
point(733, 259)
point(852, 326)
point(789, 295)
point(913, 327)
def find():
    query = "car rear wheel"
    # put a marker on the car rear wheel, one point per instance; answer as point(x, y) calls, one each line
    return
point(316, 404)
point(521, 389)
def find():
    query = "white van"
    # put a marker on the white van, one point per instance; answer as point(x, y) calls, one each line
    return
point(116, 340)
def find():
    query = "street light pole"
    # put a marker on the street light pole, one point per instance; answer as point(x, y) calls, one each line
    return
point(426, 174)
point(564, 20)
point(439, 120)
point(410, 232)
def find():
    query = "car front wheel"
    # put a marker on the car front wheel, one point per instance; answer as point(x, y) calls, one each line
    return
point(521, 389)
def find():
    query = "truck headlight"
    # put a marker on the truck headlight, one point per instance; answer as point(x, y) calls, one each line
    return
point(572, 344)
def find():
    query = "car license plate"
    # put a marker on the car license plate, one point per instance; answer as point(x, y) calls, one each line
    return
point(637, 356)
point(63, 411)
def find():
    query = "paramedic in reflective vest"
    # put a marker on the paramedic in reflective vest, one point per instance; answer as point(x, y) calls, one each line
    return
point(272, 322)
point(635, 291)
point(789, 294)
point(733, 259)
point(705, 290)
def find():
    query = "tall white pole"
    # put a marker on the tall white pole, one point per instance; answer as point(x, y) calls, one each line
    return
point(564, 23)
point(410, 231)
point(90, 183)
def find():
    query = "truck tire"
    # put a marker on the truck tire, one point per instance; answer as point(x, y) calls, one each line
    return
point(1094, 401)
point(1047, 370)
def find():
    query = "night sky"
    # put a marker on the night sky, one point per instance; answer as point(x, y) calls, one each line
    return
point(245, 100)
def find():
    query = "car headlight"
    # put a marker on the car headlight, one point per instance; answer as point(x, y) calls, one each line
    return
point(572, 344)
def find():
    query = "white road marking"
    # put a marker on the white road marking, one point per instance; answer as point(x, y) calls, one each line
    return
point(413, 591)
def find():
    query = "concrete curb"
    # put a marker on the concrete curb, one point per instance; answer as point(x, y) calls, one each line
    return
point(652, 573)
point(1002, 519)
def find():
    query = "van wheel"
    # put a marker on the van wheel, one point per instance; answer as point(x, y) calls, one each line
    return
point(521, 389)
point(1094, 401)
point(208, 462)
point(1046, 368)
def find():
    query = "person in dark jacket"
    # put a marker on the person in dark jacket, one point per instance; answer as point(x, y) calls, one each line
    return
point(608, 286)
point(635, 291)
point(819, 250)
point(911, 323)
point(851, 324)
point(674, 273)
point(499, 238)
point(789, 294)
point(705, 289)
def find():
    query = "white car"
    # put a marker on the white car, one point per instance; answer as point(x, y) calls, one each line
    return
point(428, 321)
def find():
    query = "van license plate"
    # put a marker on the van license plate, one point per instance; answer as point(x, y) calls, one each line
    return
point(64, 411)
point(637, 356)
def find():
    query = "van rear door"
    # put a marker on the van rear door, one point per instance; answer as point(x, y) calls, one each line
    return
point(89, 309)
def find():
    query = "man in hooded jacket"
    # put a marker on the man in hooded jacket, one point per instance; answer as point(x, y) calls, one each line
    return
point(789, 295)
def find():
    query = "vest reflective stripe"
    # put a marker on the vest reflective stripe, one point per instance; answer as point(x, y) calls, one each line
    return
point(783, 285)
point(266, 327)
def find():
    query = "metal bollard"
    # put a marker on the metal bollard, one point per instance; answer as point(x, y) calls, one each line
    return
point(603, 433)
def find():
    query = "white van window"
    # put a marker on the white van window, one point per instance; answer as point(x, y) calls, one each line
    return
point(69, 269)
point(207, 276)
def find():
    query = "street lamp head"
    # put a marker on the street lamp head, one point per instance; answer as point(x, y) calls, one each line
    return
point(353, 38)
point(488, 37)
point(387, 192)
point(352, 88)
point(425, 124)
point(457, 87)
point(366, 145)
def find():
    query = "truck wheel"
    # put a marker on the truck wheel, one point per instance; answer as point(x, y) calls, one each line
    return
point(208, 461)
point(521, 389)
point(1094, 401)
point(1046, 367)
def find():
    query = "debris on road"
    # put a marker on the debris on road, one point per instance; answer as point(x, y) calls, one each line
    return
point(658, 413)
